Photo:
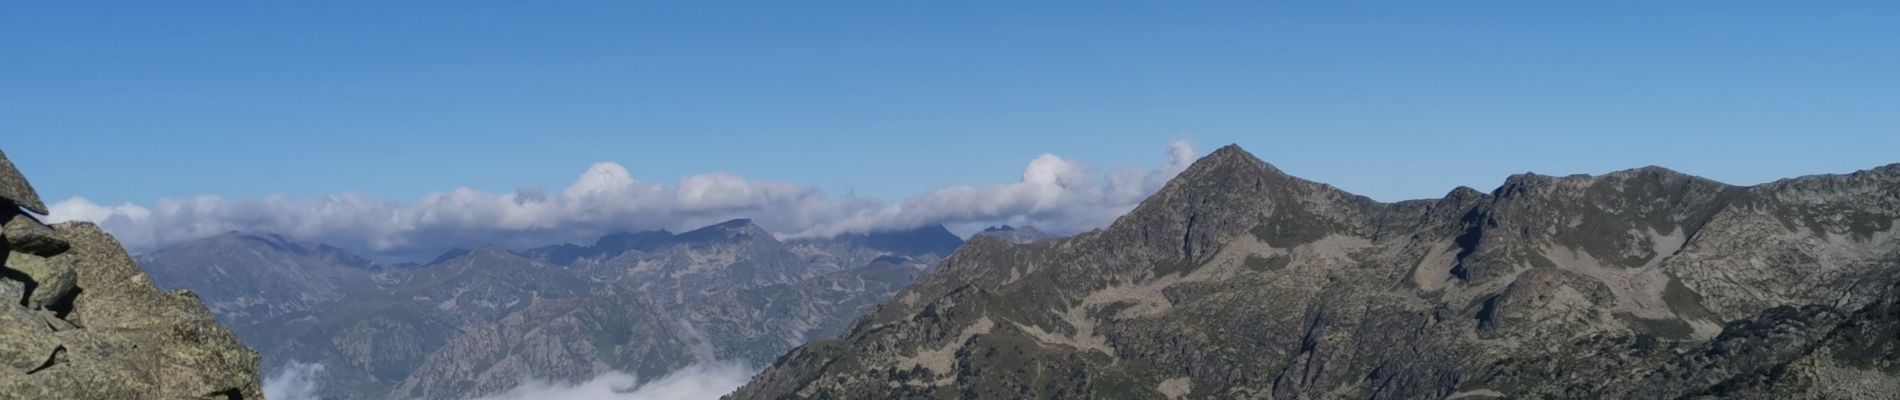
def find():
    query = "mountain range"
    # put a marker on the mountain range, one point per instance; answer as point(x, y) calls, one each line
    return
point(1237, 280)
point(477, 322)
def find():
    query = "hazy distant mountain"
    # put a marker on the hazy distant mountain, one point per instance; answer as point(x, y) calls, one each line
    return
point(1239, 281)
point(607, 246)
point(245, 278)
point(1016, 234)
point(479, 321)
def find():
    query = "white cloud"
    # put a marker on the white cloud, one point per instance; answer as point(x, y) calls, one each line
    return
point(296, 382)
point(1054, 193)
point(696, 382)
point(707, 381)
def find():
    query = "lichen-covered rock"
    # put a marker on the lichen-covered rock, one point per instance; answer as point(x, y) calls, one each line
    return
point(51, 279)
point(81, 321)
point(14, 189)
point(26, 343)
point(26, 235)
point(12, 291)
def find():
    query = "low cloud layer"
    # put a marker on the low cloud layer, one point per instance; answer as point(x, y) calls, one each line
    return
point(296, 382)
point(704, 381)
point(1054, 193)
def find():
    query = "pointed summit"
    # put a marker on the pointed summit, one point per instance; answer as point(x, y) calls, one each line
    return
point(1221, 168)
point(1232, 156)
point(1230, 170)
point(1222, 195)
point(1230, 150)
point(1238, 154)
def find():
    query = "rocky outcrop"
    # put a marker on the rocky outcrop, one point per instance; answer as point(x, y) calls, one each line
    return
point(81, 321)
point(1237, 280)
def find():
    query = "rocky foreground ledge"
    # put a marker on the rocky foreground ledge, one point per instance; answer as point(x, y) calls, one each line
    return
point(81, 321)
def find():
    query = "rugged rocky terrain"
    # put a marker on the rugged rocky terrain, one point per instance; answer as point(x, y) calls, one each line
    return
point(475, 322)
point(1239, 281)
point(81, 321)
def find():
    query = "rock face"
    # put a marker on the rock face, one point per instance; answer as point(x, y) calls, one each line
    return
point(475, 322)
point(81, 321)
point(1239, 281)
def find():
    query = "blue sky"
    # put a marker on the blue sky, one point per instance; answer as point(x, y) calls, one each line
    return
point(138, 101)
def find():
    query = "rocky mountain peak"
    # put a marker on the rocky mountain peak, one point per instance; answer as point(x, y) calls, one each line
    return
point(1231, 159)
point(1230, 193)
point(1237, 280)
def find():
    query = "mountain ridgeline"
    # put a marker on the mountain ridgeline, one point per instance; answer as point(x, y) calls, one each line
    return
point(477, 322)
point(1017, 235)
point(1237, 280)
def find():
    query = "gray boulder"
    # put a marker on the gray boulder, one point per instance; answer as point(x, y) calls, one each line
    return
point(13, 188)
point(27, 235)
point(49, 279)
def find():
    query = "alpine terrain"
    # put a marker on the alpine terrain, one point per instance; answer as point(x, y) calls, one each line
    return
point(1239, 281)
point(478, 322)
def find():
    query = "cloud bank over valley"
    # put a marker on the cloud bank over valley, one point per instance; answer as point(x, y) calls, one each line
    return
point(702, 381)
point(1054, 193)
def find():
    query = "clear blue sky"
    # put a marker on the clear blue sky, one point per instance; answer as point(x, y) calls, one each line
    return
point(141, 100)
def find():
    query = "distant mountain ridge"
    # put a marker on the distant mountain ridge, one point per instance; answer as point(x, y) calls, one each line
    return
point(254, 277)
point(644, 302)
point(1017, 235)
point(1237, 280)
